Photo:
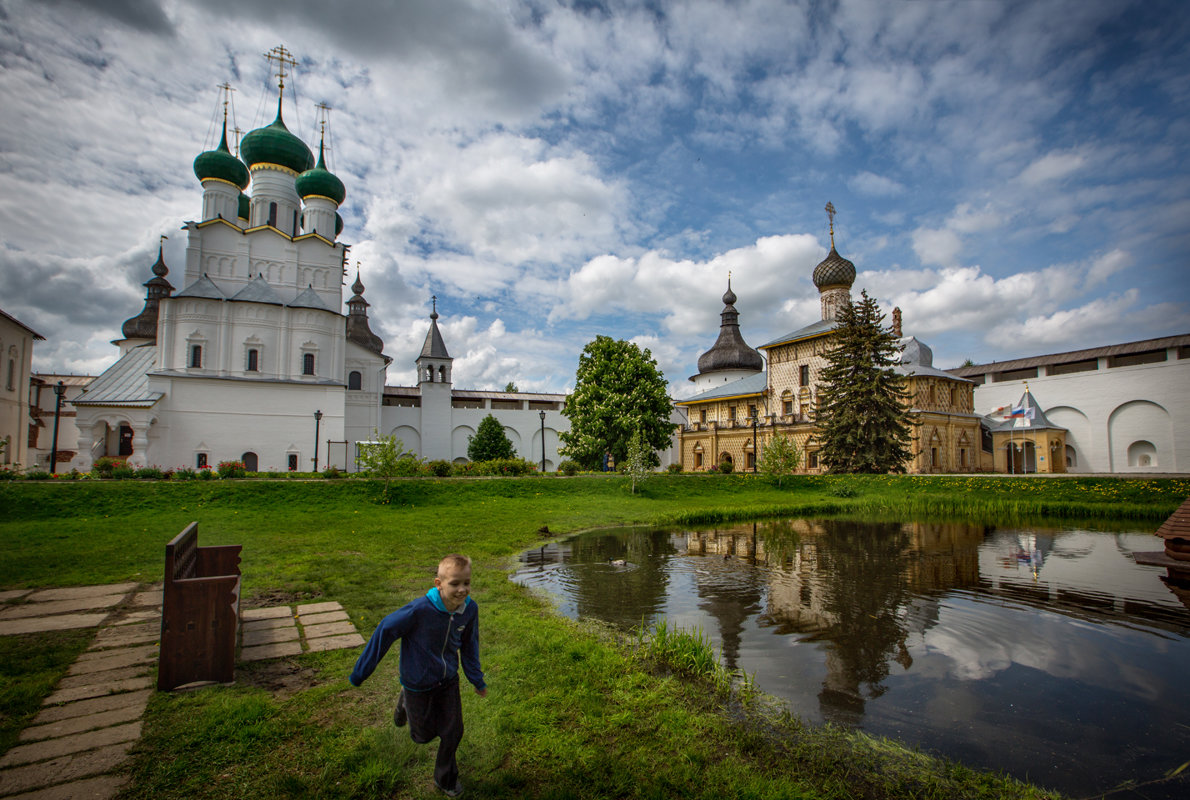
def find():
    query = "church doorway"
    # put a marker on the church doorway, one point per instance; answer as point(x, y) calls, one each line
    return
point(1022, 458)
point(251, 462)
point(125, 446)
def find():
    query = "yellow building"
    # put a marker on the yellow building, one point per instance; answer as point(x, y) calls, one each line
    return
point(730, 420)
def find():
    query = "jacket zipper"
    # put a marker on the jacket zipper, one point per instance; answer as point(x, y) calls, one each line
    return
point(442, 656)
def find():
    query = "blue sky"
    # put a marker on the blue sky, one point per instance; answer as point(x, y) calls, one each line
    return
point(1013, 176)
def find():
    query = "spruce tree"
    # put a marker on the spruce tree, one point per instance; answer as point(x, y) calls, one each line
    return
point(489, 442)
point(862, 404)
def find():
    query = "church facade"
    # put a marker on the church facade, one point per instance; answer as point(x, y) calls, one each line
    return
point(731, 421)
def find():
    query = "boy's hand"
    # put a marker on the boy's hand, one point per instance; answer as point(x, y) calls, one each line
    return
point(482, 692)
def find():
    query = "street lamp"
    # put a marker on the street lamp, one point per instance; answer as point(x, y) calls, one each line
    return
point(542, 415)
point(59, 390)
point(317, 421)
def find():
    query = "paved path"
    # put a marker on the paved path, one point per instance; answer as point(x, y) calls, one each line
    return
point(86, 727)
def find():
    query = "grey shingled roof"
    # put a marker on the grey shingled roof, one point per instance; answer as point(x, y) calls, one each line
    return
point(753, 384)
point(125, 383)
point(308, 298)
point(203, 287)
point(258, 291)
point(434, 346)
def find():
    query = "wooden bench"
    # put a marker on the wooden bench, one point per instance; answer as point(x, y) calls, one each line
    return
point(200, 612)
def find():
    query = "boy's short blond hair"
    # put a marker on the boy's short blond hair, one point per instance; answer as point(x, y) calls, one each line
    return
point(456, 560)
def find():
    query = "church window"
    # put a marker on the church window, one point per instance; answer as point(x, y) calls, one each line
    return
point(196, 356)
point(293, 459)
point(803, 374)
point(933, 458)
point(10, 384)
point(731, 413)
point(253, 360)
point(813, 461)
point(962, 457)
point(751, 461)
point(698, 460)
point(273, 214)
point(295, 227)
point(307, 363)
point(355, 381)
point(702, 416)
point(201, 461)
point(442, 374)
point(952, 396)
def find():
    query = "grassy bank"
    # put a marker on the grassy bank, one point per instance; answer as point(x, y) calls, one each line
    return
point(574, 711)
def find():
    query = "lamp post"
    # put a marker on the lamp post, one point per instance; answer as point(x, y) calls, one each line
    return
point(755, 445)
point(59, 390)
point(542, 415)
point(317, 421)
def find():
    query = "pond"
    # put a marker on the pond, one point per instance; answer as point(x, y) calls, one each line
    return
point(1048, 654)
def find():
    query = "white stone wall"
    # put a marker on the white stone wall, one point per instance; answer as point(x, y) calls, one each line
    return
point(1111, 413)
point(16, 363)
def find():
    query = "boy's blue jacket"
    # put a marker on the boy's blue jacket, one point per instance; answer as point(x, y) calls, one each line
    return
point(431, 640)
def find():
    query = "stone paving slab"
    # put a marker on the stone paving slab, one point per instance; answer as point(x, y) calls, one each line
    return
point(329, 629)
point(261, 624)
point(58, 623)
point(265, 613)
point(335, 642)
point(319, 619)
point(13, 594)
point(269, 636)
point(96, 705)
point(151, 597)
point(61, 770)
point(65, 745)
point(61, 606)
point(125, 635)
point(98, 690)
point(271, 651)
point(75, 592)
point(89, 722)
point(97, 661)
point(104, 787)
point(318, 608)
point(138, 616)
point(102, 678)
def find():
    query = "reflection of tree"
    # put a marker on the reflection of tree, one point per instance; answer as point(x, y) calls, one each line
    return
point(622, 595)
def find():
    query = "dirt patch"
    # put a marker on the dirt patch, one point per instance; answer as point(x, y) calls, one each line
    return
point(276, 597)
point(282, 677)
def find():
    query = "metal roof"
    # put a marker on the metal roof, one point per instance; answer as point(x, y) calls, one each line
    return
point(308, 298)
point(125, 383)
point(1128, 348)
point(258, 291)
point(815, 329)
point(203, 287)
point(753, 384)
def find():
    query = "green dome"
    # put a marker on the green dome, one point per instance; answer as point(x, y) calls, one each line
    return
point(220, 163)
point(338, 224)
point(245, 210)
point(274, 144)
point(320, 181)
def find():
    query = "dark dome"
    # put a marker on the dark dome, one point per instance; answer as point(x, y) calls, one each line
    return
point(834, 271)
point(222, 165)
point(274, 144)
point(730, 351)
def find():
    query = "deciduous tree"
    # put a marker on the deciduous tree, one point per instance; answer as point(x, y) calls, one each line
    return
point(618, 390)
point(861, 409)
point(780, 458)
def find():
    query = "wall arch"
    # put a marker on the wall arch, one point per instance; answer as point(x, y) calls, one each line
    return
point(514, 436)
point(1080, 436)
point(1140, 420)
point(1142, 455)
point(460, 439)
point(409, 437)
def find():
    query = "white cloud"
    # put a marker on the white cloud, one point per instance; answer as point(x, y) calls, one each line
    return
point(937, 246)
point(875, 185)
point(1051, 167)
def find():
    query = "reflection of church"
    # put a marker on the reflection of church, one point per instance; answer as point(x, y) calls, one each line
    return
point(742, 403)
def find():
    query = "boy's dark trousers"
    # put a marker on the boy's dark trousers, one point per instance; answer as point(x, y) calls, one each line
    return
point(438, 713)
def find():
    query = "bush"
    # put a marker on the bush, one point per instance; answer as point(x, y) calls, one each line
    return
point(184, 474)
point(568, 467)
point(232, 469)
point(332, 473)
point(726, 467)
point(123, 472)
point(844, 489)
point(407, 466)
point(149, 473)
point(105, 465)
point(674, 468)
point(206, 474)
point(501, 467)
point(440, 468)
point(713, 469)
point(37, 475)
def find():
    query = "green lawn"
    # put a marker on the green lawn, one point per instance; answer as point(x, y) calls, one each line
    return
point(574, 711)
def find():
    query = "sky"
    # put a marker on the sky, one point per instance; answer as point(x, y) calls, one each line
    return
point(1012, 175)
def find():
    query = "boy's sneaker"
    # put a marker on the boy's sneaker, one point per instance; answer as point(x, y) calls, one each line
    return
point(400, 716)
point(457, 791)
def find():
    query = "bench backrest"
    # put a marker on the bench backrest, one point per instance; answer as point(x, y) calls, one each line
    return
point(181, 554)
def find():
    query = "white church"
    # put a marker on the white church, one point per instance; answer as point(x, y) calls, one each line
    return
point(254, 360)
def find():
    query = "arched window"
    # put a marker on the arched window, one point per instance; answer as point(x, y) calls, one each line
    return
point(442, 374)
point(253, 360)
point(196, 355)
point(307, 363)
point(273, 214)
point(355, 381)
point(1142, 454)
point(251, 462)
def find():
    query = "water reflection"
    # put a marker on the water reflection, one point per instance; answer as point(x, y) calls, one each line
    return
point(1045, 653)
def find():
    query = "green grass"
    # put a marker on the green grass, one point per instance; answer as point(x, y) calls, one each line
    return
point(30, 665)
point(573, 711)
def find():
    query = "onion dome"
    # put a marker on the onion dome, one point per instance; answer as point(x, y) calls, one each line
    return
point(320, 182)
point(221, 164)
point(358, 330)
point(834, 271)
point(274, 144)
point(245, 208)
point(144, 324)
point(730, 351)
